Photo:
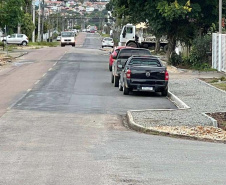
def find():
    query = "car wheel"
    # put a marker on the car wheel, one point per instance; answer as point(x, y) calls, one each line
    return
point(112, 78)
point(120, 88)
point(24, 43)
point(110, 67)
point(116, 81)
point(125, 90)
point(132, 44)
point(165, 92)
point(62, 45)
point(73, 45)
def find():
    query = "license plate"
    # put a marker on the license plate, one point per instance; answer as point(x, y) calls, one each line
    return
point(147, 88)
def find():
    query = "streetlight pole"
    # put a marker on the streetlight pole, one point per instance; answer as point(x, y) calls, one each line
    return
point(39, 20)
point(33, 33)
point(220, 16)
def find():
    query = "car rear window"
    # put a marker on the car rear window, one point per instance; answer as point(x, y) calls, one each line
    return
point(108, 39)
point(145, 62)
point(125, 54)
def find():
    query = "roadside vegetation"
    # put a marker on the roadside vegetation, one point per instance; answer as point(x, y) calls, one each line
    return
point(184, 22)
point(217, 82)
point(49, 44)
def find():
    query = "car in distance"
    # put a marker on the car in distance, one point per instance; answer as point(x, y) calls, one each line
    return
point(20, 39)
point(114, 54)
point(58, 38)
point(121, 59)
point(68, 38)
point(107, 42)
point(144, 73)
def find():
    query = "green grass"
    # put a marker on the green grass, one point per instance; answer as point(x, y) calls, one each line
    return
point(220, 86)
point(105, 35)
point(50, 44)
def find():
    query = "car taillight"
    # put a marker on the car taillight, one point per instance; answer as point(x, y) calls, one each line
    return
point(166, 75)
point(128, 73)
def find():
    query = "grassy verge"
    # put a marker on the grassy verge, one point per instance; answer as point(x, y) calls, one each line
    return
point(217, 82)
point(105, 35)
point(50, 44)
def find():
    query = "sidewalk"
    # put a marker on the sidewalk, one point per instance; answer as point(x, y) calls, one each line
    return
point(186, 122)
point(6, 57)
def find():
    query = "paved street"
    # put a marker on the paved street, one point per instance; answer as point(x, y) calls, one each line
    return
point(65, 126)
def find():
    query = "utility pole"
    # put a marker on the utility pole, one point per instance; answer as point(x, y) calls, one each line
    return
point(39, 20)
point(49, 25)
point(42, 30)
point(33, 33)
point(220, 16)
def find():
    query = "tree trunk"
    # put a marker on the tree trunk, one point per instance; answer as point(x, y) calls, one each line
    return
point(171, 45)
point(157, 45)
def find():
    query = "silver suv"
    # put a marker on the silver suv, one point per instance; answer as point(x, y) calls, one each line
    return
point(21, 39)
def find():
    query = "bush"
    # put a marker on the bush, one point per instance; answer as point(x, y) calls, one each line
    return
point(200, 49)
point(175, 59)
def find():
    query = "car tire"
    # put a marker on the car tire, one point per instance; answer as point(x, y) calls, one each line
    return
point(24, 43)
point(112, 78)
point(110, 67)
point(62, 45)
point(73, 45)
point(120, 88)
point(165, 92)
point(125, 90)
point(116, 81)
point(132, 44)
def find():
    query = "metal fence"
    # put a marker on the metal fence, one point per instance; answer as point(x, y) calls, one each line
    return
point(219, 51)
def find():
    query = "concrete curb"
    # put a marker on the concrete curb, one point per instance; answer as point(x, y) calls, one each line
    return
point(179, 103)
point(182, 106)
point(132, 125)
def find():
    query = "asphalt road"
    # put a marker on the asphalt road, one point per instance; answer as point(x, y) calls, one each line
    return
point(68, 130)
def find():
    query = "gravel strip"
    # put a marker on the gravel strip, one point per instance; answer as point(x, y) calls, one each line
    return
point(196, 94)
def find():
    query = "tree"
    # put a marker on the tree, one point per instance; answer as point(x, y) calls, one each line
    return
point(27, 25)
point(178, 19)
point(11, 14)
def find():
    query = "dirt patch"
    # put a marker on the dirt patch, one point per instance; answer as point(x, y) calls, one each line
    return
point(219, 83)
point(221, 119)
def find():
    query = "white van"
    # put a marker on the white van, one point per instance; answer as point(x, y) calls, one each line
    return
point(67, 38)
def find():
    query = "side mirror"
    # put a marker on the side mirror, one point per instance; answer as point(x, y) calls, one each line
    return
point(114, 56)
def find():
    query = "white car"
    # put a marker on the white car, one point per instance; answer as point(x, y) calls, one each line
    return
point(58, 38)
point(107, 42)
point(68, 38)
point(21, 39)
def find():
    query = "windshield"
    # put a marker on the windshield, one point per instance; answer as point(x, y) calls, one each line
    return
point(145, 62)
point(125, 54)
point(67, 34)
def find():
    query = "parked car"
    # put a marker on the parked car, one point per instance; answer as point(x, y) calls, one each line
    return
point(114, 53)
point(58, 38)
point(144, 73)
point(107, 42)
point(121, 59)
point(20, 39)
point(68, 38)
